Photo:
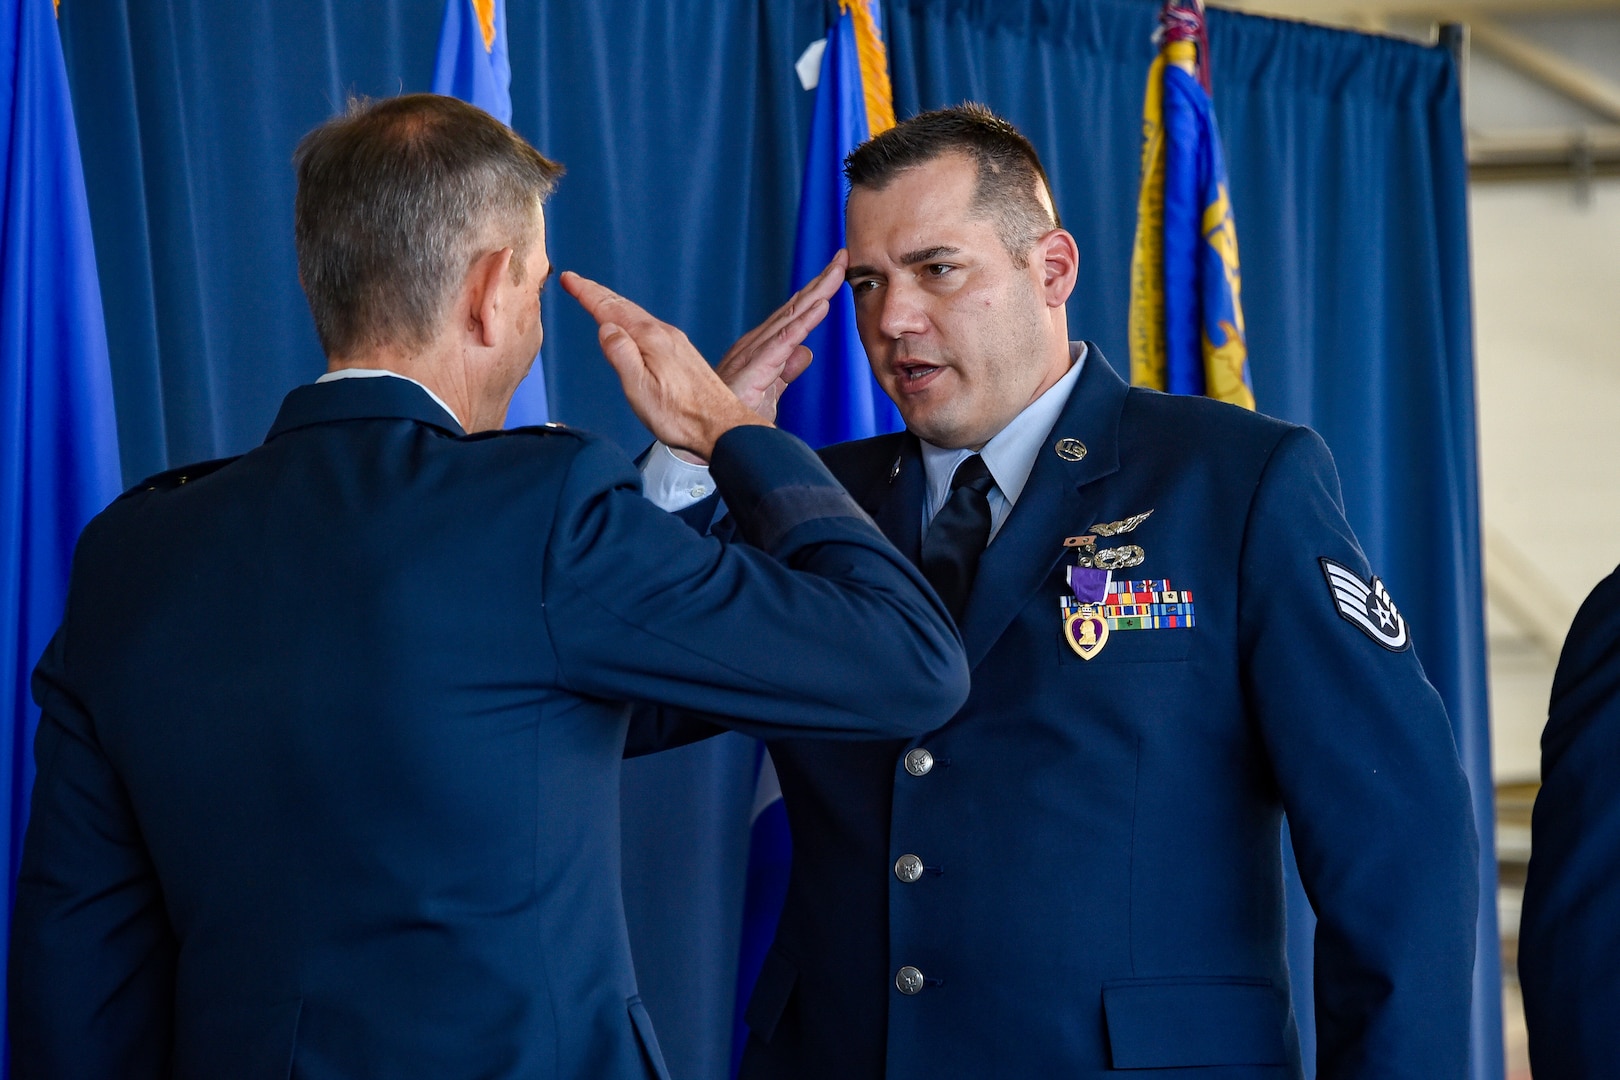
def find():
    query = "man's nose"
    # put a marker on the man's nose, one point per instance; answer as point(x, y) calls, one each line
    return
point(902, 311)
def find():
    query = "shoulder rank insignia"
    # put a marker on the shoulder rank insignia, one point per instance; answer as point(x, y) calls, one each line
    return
point(1367, 605)
point(174, 478)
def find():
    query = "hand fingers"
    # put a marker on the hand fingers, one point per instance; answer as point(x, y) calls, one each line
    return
point(602, 303)
point(799, 327)
point(830, 280)
point(590, 294)
point(767, 352)
point(625, 356)
point(796, 365)
point(823, 287)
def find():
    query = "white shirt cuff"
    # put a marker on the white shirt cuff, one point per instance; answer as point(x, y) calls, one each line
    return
point(672, 484)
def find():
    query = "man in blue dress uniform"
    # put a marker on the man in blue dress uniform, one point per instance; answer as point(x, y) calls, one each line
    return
point(1569, 932)
point(330, 750)
point(1174, 639)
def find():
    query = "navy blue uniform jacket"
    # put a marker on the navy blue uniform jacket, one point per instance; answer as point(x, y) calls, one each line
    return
point(1569, 930)
point(329, 762)
point(1099, 839)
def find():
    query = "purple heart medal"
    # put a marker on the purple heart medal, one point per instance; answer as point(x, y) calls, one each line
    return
point(1084, 626)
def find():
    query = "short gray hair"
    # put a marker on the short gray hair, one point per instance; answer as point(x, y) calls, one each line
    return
point(393, 197)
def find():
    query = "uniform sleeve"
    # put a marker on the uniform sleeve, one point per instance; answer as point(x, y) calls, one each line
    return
point(815, 626)
point(91, 979)
point(1369, 775)
point(1569, 933)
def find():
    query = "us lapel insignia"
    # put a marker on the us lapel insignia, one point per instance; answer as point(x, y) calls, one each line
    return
point(1367, 606)
point(1070, 449)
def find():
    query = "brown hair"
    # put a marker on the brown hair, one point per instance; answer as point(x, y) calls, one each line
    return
point(1011, 181)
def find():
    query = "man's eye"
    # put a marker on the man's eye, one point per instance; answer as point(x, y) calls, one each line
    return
point(938, 269)
point(862, 286)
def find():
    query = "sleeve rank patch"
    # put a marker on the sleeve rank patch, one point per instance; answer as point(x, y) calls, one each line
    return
point(1367, 605)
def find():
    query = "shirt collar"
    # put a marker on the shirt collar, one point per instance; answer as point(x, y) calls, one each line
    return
point(371, 373)
point(1010, 455)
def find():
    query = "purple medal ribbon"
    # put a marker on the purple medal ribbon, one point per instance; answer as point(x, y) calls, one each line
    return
point(1090, 585)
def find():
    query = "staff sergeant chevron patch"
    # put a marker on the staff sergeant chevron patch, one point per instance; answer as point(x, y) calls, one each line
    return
point(1366, 605)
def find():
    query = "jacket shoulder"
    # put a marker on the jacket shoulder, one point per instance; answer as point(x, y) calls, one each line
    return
point(171, 479)
point(1224, 435)
point(551, 428)
point(1204, 415)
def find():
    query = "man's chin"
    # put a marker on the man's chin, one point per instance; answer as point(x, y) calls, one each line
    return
point(934, 431)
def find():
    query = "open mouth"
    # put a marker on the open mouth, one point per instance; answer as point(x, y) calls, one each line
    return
point(914, 376)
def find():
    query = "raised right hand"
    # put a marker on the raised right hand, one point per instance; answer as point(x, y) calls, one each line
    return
point(669, 385)
point(771, 355)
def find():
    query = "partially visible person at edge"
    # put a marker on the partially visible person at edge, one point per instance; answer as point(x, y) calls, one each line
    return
point(330, 749)
point(1174, 639)
point(1569, 928)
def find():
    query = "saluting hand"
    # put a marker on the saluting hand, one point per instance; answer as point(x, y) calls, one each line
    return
point(669, 385)
point(771, 355)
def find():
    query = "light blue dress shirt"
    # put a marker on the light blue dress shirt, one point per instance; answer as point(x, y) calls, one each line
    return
point(673, 484)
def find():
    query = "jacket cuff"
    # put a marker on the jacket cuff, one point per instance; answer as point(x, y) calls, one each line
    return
point(773, 483)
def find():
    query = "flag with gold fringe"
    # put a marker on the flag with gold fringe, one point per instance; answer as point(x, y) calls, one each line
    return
point(473, 63)
point(837, 398)
point(1186, 313)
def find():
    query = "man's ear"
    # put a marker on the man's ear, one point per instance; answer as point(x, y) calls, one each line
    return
point(1058, 257)
point(486, 295)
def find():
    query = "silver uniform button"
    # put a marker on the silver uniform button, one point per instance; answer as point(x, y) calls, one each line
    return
point(908, 868)
point(908, 980)
point(919, 761)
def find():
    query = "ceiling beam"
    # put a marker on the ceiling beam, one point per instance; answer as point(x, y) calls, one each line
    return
point(1364, 12)
point(1557, 73)
point(1544, 153)
point(1525, 593)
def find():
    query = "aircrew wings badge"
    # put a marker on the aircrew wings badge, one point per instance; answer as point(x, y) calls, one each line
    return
point(1367, 605)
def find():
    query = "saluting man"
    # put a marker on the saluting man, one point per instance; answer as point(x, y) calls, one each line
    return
point(331, 738)
point(1174, 637)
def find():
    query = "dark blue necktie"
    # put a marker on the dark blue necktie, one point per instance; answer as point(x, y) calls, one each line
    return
point(958, 534)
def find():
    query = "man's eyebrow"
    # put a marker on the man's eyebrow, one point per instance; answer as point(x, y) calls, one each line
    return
point(912, 258)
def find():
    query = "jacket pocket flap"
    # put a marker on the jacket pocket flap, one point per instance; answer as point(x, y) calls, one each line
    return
point(1179, 1023)
point(777, 977)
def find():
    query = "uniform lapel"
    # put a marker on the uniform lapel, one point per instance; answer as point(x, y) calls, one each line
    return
point(1055, 503)
point(897, 503)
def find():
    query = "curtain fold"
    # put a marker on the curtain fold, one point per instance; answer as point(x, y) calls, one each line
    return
point(683, 127)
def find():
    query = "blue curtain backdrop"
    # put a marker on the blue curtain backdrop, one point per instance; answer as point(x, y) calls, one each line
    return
point(683, 127)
